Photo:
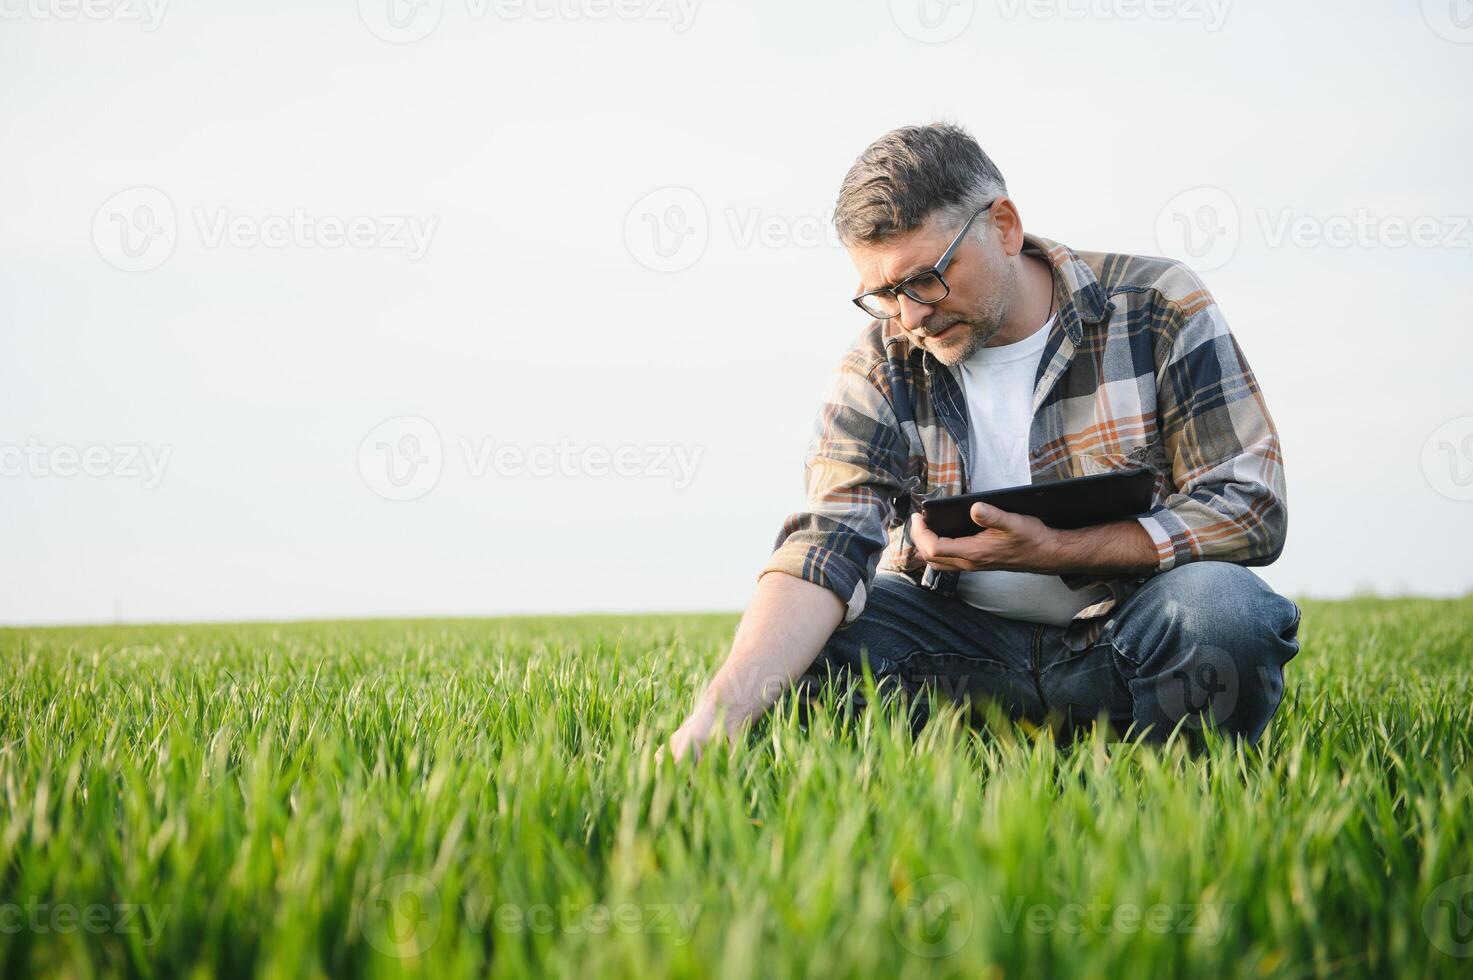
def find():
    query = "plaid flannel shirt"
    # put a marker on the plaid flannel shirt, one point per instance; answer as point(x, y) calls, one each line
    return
point(1139, 370)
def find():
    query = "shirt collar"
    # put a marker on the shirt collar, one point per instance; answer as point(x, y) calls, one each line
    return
point(1082, 298)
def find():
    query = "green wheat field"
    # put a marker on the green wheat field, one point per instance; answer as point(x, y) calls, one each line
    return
point(481, 797)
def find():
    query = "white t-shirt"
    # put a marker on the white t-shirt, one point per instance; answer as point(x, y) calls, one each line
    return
point(998, 385)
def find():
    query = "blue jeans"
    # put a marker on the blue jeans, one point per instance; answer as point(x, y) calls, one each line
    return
point(1203, 644)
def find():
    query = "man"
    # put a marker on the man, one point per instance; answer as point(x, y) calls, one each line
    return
point(997, 358)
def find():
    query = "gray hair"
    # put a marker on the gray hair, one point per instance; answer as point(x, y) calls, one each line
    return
point(908, 174)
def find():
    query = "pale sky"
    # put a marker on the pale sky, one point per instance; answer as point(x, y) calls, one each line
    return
point(566, 264)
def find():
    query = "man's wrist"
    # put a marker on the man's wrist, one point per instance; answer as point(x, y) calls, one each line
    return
point(1104, 549)
point(1055, 548)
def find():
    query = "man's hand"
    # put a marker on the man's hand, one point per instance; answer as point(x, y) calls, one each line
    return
point(1018, 543)
point(1003, 542)
point(690, 739)
point(783, 631)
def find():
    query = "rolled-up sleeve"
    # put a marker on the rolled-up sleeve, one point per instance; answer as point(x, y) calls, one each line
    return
point(853, 469)
point(1224, 452)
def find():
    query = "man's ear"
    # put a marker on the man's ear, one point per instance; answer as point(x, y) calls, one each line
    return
point(1009, 225)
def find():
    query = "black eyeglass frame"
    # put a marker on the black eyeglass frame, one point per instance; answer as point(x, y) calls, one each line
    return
point(938, 270)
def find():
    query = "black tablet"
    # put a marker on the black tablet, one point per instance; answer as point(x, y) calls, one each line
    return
point(1079, 502)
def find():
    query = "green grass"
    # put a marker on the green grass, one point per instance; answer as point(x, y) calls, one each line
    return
point(456, 798)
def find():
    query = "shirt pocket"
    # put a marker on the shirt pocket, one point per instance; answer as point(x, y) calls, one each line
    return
point(1092, 464)
point(1149, 456)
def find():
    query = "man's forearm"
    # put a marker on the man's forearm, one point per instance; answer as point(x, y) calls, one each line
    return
point(785, 626)
point(1120, 548)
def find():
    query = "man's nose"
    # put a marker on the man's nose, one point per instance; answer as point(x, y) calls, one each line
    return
point(912, 313)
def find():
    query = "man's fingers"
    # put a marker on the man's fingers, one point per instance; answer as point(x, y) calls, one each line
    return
point(678, 750)
point(930, 545)
point(922, 536)
point(988, 516)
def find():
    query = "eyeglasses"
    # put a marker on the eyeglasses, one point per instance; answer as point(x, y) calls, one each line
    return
point(927, 287)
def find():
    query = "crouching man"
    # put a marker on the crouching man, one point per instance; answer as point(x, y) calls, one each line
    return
point(993, 358)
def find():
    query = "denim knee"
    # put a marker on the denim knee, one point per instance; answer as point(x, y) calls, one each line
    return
point(1218, 602)
point(1206, 643)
